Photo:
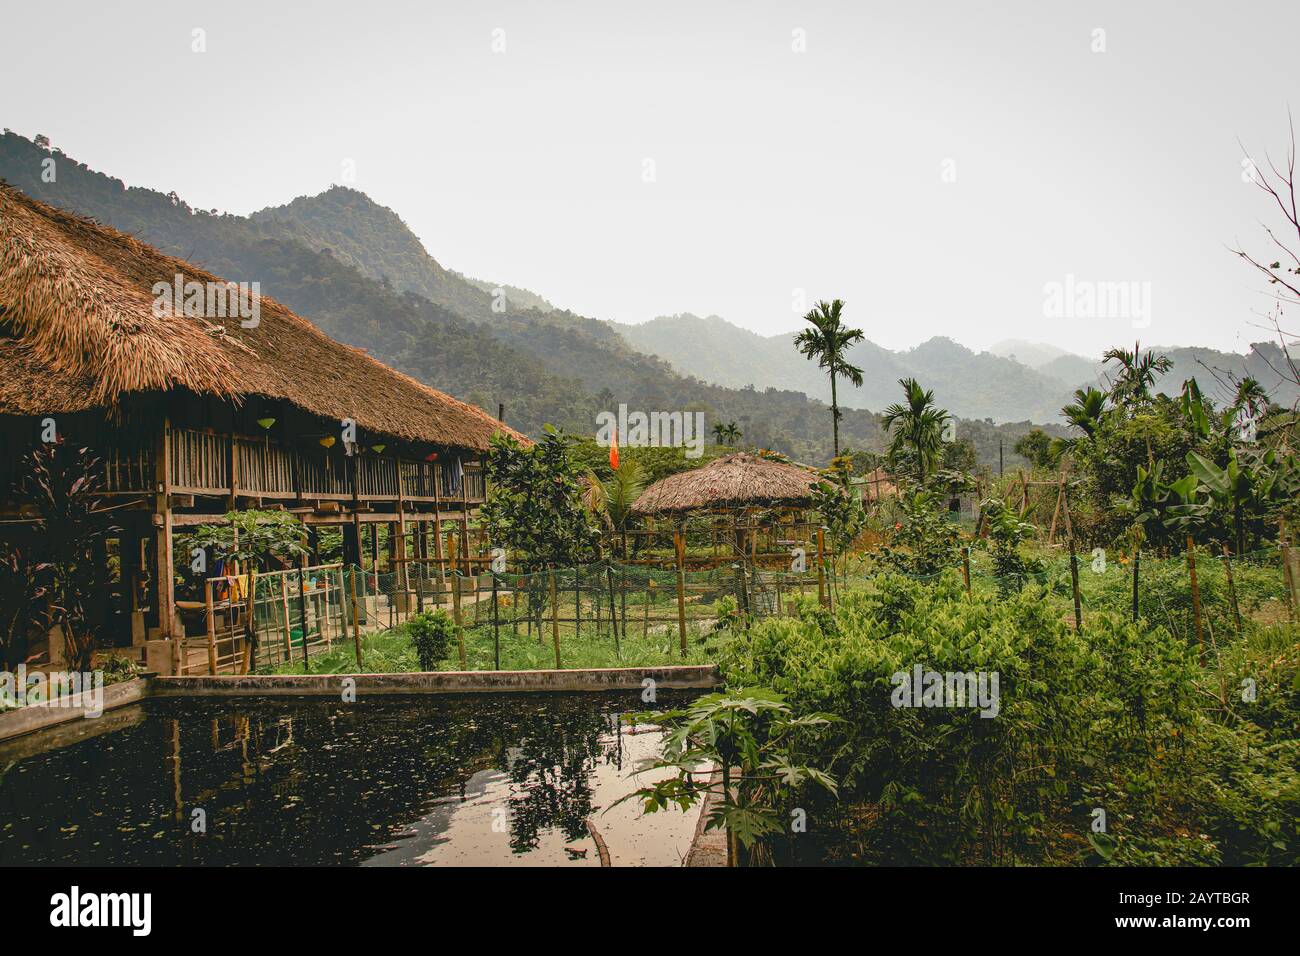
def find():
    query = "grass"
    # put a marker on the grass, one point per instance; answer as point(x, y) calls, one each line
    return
point(391, 651)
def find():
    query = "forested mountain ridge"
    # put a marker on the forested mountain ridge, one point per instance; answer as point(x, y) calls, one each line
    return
point(545, 367)
point(969, 384)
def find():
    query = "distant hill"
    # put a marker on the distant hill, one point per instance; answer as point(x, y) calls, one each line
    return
point(974, 385)
point(1033, 354)
point(353, 268)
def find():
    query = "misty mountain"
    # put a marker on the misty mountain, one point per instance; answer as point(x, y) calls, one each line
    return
point(973, 385)
point(559, 368)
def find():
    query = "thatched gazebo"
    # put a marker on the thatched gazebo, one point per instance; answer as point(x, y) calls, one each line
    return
point(742, 493)
point(732, 483)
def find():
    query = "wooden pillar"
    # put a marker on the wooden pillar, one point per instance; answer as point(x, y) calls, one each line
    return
point(210, 621)
point(162, 522)
point(679, 542)
point(437, 531)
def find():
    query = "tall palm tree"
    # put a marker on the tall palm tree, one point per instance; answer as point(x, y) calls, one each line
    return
point(1136, 374)
point(917, 427)
point(1086, 410)
point(827, 341)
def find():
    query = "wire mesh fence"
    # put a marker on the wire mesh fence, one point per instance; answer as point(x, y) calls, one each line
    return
point(636, 613)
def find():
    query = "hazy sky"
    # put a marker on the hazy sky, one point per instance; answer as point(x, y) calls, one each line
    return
point(774, 170)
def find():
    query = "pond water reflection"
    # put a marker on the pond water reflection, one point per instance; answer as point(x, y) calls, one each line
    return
point(505, 779)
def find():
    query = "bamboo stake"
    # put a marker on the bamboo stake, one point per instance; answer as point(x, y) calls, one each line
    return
point(1137, 559)
point(1232, 590)
point(555, 619)
point(965, 569)
point(210, 620)
point(356, 618)
point(679, 541)
point(284, 606)
point(821, 569)
point(1074, 585)
point(1196, 595)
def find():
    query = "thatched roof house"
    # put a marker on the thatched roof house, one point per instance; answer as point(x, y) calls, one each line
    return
point(731, 483)
point(78, 330)
point(194, 408)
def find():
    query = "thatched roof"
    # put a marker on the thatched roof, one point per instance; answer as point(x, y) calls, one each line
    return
point(731, 482)
point(77, 300)
point(876, 484)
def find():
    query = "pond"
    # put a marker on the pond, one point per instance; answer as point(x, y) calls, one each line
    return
point(389, 781)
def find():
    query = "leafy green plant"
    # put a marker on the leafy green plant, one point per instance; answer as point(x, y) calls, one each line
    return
point(760, 748)
point(924, 542)
point(255, 538)
point(432, 633)
point(61, 485)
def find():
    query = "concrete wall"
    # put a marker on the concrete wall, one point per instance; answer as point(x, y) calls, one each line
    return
point(25, 720)
point(443, 682)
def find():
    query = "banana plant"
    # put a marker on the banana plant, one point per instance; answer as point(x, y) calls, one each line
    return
point(1247, 488)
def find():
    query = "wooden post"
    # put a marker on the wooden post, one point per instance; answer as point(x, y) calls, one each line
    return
point(821, 568)
point(1196, 594)
point(162, 520)
point(555, 619)
point(356, 617)
point(613, 609)
point(455, 595)
point(1289, 578)
point(437, 534)
point(302, 615)
point(1074, 585)
point(496, 625)
point(210, 620)
point(1137, 561)
point(1232, 590)
point(250, 625)
point(965, 568)
point(284, 606)
point(679, 540)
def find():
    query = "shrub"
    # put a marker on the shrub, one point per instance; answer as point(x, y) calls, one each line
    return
point(1120, 717)
point(432, 633)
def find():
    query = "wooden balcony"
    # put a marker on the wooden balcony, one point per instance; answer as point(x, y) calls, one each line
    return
point(200, 463)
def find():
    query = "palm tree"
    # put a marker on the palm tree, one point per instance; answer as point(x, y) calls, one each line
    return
point(611, 499)
point(1136, 375)
point(1086, 410)
point(733, 434)
point(917, 427)
point(827, 341)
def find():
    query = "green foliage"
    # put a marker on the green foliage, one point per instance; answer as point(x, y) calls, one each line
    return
point(432, 634)
point(1119, 717)
point(255, 538)
point(535, 504)
point(924, 541)
point(762, 748)
point(22, 588)
point(60, 486)
point(827, 342)
point(916, 427)
point(1037, 447)
point(1007, 529)
point(841, 513)
point(611, 499)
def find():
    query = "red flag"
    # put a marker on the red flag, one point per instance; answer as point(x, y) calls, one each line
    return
point(613, 451)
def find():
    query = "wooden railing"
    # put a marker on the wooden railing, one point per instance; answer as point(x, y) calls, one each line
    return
point(200, 465)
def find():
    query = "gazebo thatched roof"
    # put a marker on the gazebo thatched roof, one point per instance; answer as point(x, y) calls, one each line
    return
point(78, 330)
point(732, 482)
